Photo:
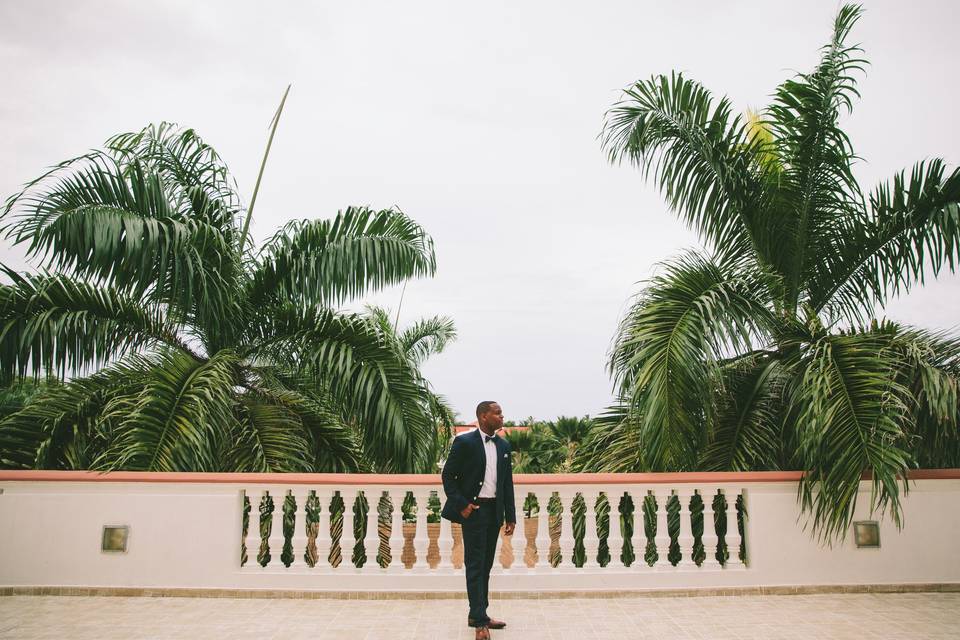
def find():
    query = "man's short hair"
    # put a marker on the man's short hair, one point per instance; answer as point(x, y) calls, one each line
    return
point(484, 407)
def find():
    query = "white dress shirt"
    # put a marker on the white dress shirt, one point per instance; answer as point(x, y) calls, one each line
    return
point(489, 487)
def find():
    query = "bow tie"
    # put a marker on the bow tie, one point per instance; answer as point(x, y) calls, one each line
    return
point(489, 438)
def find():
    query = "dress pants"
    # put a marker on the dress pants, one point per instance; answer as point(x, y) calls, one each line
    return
point(480, 533)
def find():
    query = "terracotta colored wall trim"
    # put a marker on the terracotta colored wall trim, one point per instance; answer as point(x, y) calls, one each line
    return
point(723, 477)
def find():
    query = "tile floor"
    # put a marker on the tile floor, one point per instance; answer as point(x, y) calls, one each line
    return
point(908, 616)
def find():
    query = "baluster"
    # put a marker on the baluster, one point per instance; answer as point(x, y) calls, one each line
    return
point(615, 534)
point(299, 541)
point(508, 551)
point(591, 537)
point(348, 538)
point(421, 543)
point(433, 538)
point(456, 555)
point(396, 530)
point(324, 541)
point(445, 541)
point(709, 538)
point(527, 535)
point(685, 537)
point(567, 541)
point(733, 533)
point(276, 530)
point(252, 540)
point(372, 541)
point(542, 560)
point(662, 538)
point(640, 531)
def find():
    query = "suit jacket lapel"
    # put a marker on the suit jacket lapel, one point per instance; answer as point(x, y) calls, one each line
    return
point(479, 440)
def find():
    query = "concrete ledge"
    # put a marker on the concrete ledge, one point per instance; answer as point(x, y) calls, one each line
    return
point(775, 590)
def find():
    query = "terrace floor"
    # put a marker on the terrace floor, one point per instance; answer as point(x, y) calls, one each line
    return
point(914, 616)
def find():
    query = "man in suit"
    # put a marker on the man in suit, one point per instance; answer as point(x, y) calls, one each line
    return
point(478, 481)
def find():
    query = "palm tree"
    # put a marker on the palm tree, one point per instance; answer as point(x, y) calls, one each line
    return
point(763, 351)
point(526, 448)
point(549, 447)
point(424, 338)
point(187, 349)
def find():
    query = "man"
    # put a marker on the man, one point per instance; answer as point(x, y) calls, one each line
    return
point(478, 481)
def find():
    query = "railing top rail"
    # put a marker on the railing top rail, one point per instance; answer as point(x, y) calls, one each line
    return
point(408, 479)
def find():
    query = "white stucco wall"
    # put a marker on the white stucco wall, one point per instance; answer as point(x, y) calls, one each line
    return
point(188, 536)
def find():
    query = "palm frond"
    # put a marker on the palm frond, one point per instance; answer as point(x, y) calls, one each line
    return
point(120, 226)
point(60, 419)
point(853, 416)
point(745, 434)
point(527, 450)
point(178, 420)
point(325, 262)
point(701, 155)
point(56, 324)
point(913, 230)
point(331, 445)
point(17, 394)
point(426, 337)
point(932, 373)
point(267, 438)
point(363, 372)
point(380, 317)
point(615, 444)
point(205, 190)
point(443, 414)
point(816, 189)
point(668, 346)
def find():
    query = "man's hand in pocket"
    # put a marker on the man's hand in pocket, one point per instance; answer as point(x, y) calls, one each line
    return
point(467, 510)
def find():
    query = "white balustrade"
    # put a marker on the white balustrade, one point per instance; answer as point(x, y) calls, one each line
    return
point(614, 532)
point(709, 538)
point(210, 511)
point(276, 528)
point(253, 494)
point(324, 540)
point(301, 494)
point(733, 532)
point(640, 533)
point(685, 537)
point(511, 559)
point(591, 539)
point(510, 555)
point(567, 540)
point(542, 559)
point(372, 540)
point(348, 539)
point(445, 542)
point(662, 538)
point(396, 531)
point(422, 542)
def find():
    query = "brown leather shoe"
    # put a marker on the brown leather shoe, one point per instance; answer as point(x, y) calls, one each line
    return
point(492, 624)
point(482, 633)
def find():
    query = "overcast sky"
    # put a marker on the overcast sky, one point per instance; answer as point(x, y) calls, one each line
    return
point(479, 120)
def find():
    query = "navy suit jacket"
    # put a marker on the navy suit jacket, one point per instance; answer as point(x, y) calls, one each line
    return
point(463, 476)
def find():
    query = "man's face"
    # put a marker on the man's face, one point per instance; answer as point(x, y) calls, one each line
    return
point(493, 418)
